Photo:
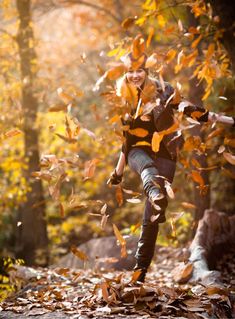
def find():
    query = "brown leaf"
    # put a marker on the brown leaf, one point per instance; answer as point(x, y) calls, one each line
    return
point(62, 213)
point(188, 205)
point(128, 22)
point(78, 253)
point(12, 133)
point(103, 209)
point(89, 169)
point(58, 108)
point(104, 221)
point(135, 275)
point(65, 97)
point(104, 289)
point(183, 273)
point(119, 195)
point(215, 133)
point(229, 157)
point(121, 240)
point(67, 139)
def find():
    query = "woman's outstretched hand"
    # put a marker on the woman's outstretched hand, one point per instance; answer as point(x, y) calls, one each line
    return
point(114, 179)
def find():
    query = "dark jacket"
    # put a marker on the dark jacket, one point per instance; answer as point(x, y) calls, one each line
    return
point(163, 116)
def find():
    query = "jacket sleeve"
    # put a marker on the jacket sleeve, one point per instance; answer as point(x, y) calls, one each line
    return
point(196, 112)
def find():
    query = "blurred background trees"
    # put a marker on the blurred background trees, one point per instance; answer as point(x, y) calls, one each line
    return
point(60, 138)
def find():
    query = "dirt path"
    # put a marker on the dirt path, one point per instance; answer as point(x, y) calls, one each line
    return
point(85, 294)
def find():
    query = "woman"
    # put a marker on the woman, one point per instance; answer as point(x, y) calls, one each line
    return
point(151, 145)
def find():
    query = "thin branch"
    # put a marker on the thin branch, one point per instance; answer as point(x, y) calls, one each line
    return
point(95, 6)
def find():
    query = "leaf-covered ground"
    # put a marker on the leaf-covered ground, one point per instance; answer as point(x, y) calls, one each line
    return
point(83, 294)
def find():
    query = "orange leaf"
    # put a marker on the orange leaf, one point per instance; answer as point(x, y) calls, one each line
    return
point(156, 140)
point(140, 132)
point(197, 178)
point(116, 72)
point(78, 253)
point(104, 289)
point(65, 97)
point(129, 93)
point(150, 36)
point(135, 275)
point(119, 195)
point(138, 46)
point(215, 133)
point(57, 108)
point(118, 235)
point(12, 133)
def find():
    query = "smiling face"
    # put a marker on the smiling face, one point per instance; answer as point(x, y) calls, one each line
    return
point(136, 77)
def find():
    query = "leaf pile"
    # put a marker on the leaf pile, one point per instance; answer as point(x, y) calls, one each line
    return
point(114, 294)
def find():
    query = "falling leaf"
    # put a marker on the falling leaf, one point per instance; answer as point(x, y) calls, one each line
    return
point(116, 72)
point(78, 253)
point(215, 133)
point(129, 92)
point(229, 157)
point(188, 205)
point(150, 36)
point(140, 132)
point(65, 97)
point(58, 108)
point(119, 195)
point(151, 61)
point(133, 200)
point(103, 209)
point(121, 240)
point(180, 26)
point(89, 169)
point(104, 221)
point(197, 178)
point(156, 140)
point(128, 22)
point(12, 133)
point(221, 149)
point(169, 190)
point(138, 46)
point(62, 214)
point(67, 139)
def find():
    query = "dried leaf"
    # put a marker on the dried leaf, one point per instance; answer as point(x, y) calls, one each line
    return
point(229, 157)
point(221, 149)
point(129, 92)
point(156, 140)
point(89, 169)
point(138, 46)
point(133, 200)
point(135, 275)
point(169, 190)
point(104, 289)
point(188, 205)
point(58, 108)
point(128, 22)
point(197, 178)
point(121, 240)
point(215, 133)
point(12, 133)
point(78, 253)
point(65, 97)
point(115, 72)
point(183, 273)
point(140, 132)
point(103, 209)
point(119, 195)
point(67, 139)
point(104, 221)
point(151, 61)
point(150, 36)
point(62, 213)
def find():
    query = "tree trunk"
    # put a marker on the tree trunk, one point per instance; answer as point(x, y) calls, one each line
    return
point(215, 234)
point(195, 96)
point(32, 238)
point(224, 9)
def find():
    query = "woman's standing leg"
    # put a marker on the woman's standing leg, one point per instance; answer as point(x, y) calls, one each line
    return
point(150, 170)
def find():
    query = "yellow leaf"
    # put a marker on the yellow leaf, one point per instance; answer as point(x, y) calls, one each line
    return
point(78, 253)
point(170, 55)
point(161, 21)
point(156, 140)
point(12, 133)
point(229, 157)
point(140, 132)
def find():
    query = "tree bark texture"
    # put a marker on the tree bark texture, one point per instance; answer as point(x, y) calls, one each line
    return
point(196, 92)
point(32, 235)
point(214, 236)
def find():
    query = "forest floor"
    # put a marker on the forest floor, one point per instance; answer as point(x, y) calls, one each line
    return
point(84, 294)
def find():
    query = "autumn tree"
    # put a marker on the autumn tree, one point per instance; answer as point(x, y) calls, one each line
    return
point(32, 236)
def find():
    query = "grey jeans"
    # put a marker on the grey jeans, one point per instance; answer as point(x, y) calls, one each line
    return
point(153, 171)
